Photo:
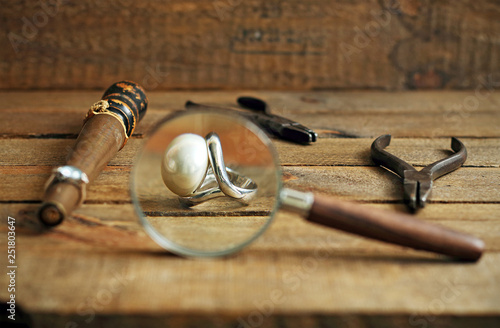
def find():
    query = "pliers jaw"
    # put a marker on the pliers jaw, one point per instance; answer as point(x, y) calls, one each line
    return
point(417, 189)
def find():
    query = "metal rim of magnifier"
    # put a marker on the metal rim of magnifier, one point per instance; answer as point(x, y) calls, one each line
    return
point(185, 251)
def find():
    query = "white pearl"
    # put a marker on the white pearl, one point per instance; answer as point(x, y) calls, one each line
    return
point(184, 164)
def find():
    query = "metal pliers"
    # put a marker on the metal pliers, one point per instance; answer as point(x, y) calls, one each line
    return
point(260, 114)
point(417, 184)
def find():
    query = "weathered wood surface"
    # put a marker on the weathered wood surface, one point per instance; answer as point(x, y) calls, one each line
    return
point(99, 268)
point(359, 183)
point(287, 233)
point(327, 151)
point(343, 114)
point(277, 44)
point(359, 272)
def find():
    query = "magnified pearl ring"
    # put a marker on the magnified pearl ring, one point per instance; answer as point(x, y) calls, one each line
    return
point(193, 168)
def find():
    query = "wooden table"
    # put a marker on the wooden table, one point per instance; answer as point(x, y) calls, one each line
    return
point(99, 269)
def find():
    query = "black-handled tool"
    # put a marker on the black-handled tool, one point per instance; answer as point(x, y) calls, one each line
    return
point(261, 115)
point(279, 126)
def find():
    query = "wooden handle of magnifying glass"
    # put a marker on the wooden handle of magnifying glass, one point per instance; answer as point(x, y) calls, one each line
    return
point(395, 228)
point(107, 127)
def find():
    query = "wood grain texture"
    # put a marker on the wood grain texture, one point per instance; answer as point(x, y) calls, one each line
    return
point(101, 262)
point(332, 114)
point(367, 184)
point(288, 233)
point(326, 152)
point(304, 261)
point(255, 44)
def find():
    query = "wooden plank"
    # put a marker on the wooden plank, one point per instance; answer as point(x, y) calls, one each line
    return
point(234, 286)
point(250, 44)
point(277, 320)
point(54, 152)
point(344, 114)
point(310, 265)
point(368, 184)
point(356, 152)
point(27, 183)
point(282, 102)
point(325, 152)
point(350, 125)
point(378, 184)
point(101, 226)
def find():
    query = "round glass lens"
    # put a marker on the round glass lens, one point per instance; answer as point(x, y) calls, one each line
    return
point(205, 183)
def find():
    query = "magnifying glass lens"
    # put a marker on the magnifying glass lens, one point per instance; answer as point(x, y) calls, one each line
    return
point(186, 200)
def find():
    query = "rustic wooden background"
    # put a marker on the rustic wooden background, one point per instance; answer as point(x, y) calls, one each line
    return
point(254, 44)
point(99, 269)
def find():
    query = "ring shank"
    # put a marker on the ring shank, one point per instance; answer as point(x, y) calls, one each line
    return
point(220, 180)
point(246, 188)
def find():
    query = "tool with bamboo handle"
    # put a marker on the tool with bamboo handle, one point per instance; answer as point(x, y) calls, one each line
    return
point(107, 127)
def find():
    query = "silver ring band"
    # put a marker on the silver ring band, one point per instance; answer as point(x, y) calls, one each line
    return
point(70, 174)
point(220, 180)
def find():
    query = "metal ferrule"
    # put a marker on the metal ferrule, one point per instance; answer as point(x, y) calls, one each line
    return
point(296, 201)
point(69, 174)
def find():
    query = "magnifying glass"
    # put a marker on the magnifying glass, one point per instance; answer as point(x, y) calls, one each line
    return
point(207, 183)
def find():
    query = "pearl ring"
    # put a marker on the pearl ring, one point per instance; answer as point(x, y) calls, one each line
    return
point(193, 168)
